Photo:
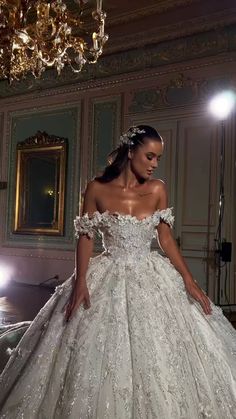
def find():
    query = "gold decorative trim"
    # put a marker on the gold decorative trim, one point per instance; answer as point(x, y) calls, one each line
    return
point(50, 148)
point(41, 139)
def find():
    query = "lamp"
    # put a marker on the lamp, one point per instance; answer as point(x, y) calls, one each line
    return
point(36, 35)
point(221, 106)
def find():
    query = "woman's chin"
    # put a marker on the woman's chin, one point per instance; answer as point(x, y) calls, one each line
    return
point(145, 177)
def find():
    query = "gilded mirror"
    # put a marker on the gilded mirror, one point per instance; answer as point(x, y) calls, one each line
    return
point(40, 185)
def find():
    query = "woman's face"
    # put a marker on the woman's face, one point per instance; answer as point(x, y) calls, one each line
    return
point(144, 160)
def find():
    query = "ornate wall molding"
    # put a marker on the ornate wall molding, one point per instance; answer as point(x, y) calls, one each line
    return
point(105, 115)
point(113, 68)
point(179, 91)
point(169, 71)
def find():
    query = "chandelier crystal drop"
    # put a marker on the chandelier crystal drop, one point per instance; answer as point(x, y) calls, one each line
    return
point(36, 35)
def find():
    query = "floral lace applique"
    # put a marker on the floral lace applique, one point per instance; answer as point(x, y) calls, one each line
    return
point(88, 225)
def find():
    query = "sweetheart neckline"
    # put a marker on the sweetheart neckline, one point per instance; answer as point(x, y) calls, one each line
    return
point(129, 216)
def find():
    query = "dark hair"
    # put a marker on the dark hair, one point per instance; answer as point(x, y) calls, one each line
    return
point(118, 158)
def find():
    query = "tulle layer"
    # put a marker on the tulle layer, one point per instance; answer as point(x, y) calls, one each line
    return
point(143, 350)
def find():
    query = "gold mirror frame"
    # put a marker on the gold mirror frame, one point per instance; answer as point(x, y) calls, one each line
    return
point(40, 185)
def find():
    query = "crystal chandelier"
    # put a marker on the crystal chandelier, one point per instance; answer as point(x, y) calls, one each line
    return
point(36, 35)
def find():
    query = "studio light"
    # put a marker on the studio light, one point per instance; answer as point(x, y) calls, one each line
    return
point(222, 104)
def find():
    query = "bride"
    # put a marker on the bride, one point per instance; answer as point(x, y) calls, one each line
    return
point(130, 335)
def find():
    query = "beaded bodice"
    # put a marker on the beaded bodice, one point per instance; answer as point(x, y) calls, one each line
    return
point(123, 235)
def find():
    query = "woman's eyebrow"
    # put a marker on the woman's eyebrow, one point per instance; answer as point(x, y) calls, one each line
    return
point(151, 152)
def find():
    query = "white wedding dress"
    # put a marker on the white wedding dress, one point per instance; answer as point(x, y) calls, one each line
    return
point(143, 350)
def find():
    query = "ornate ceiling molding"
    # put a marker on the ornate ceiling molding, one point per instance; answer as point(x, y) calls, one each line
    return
point(166, 71)
point(170, 32)
point(157, 8)
point(119, 14)
point(126, 64)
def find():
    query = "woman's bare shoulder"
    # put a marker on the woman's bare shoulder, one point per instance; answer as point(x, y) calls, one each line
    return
point(89, 196)
point(160, 191)
point(92, 186)
point(157, 184)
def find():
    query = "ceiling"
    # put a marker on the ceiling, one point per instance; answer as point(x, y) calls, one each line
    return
point(131, 23)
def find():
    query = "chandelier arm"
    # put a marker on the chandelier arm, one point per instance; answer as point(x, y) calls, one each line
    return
point(38, 35)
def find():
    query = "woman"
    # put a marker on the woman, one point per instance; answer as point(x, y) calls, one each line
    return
point(130, 335)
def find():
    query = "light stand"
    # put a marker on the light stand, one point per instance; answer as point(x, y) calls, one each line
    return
point(221, 210)
point(221, 106)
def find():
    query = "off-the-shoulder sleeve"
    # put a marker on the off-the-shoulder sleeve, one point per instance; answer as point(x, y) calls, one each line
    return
point(85, 225)
point(167, 216)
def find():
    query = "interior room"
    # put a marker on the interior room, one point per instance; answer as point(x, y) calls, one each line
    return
point(169, 64)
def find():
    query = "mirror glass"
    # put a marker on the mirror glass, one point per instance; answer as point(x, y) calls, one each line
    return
point(40, 185)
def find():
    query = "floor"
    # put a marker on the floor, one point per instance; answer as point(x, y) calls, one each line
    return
point(20, 302)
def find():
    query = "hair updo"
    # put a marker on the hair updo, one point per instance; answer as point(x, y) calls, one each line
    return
point(118, 158)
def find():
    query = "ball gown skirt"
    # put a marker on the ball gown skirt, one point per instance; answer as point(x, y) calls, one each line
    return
point(143, 350)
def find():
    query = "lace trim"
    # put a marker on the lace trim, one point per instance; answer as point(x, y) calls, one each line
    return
point(87, 224)
point(167, 216)
point(84, 225)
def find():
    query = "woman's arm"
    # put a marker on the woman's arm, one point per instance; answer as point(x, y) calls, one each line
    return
point(168, 244)
point(84, 245)
point(84, 250)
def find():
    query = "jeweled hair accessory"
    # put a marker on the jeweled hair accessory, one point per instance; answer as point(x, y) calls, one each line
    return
point(126, 138)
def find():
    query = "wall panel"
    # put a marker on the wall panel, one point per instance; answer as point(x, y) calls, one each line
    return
point(61, 122)
point(105, 130)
